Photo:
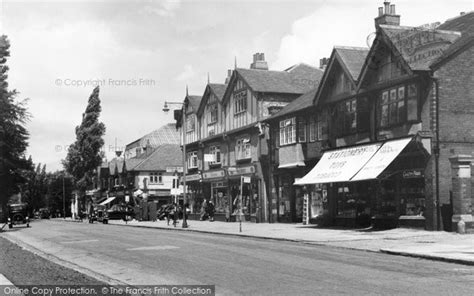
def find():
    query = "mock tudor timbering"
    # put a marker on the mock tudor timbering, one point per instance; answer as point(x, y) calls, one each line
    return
point(408, 95)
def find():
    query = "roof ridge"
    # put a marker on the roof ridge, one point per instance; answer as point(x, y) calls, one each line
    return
point(351, 47)
point(458, 16)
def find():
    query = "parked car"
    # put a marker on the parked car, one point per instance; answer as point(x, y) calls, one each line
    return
point(120, 212)
point(18, 214)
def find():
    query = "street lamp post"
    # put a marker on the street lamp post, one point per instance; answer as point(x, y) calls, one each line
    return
point(166, 109)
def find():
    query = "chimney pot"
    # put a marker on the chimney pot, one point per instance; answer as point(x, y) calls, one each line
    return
point(392, 9)
point(380, 11)
point(387, 7)
point(259, 62)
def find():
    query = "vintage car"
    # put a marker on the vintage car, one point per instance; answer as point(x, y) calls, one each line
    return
point(44, 213)
point(99, 214)
point(120, 212)
point(18, 214)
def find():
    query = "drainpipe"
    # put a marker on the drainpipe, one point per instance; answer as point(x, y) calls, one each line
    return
point(436, 153)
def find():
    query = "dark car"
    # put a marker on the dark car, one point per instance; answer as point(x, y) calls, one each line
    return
point(98, 214)
point(44, 213)
point(120, 212)
point(18, 214)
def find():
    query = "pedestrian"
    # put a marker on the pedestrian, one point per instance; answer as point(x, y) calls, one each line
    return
point(204, 212)
point(211, 210)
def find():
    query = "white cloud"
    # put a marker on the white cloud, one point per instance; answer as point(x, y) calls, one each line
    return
point(313, 37)
point(187, 73)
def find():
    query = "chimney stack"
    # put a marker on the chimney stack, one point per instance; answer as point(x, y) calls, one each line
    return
point(323, 63)
point(229, 74)
point(387, 15)
point(259, 62)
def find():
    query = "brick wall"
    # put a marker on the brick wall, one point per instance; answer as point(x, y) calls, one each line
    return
point(456, 123)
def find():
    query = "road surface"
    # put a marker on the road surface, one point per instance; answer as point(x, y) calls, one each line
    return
point(238, 265)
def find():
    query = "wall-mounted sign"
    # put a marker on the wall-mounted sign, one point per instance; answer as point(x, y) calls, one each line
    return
point(213, 174)
point(193, 177)
point(410, 174)
point(421, 45)
point(173, 169)
point(245, 170)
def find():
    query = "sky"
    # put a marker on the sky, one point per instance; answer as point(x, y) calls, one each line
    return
point(143, 52)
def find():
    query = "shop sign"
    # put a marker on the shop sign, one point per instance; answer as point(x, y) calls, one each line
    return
point(172, 169)
point(410, 174)
point(419, 44)
point(236, 171)
point(213, 174)
point(339, 165)
point(193, 177)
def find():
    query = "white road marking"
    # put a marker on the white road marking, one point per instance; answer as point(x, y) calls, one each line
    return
point(81, 241)
point(153, 248)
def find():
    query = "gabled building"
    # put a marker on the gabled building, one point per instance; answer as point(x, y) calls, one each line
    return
point(393, 136)
point(300, 134)
point(233, 157)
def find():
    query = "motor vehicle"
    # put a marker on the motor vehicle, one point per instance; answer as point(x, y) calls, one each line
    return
point(18, 214)
point(44, 213)
point(120, 212)
point(99, 214)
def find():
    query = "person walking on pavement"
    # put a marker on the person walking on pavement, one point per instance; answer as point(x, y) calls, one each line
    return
point(204, 213)
point(211, 210)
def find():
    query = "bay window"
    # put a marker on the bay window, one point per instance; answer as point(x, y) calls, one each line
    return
point(397, 105)
point(288, 131)
point(216, 152)
point(192, 160)
point(242, 149)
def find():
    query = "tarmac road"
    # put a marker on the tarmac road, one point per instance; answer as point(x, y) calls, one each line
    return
point(238, 265)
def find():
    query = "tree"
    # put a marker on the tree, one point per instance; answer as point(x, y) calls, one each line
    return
point(13, 134)
point(84, 155)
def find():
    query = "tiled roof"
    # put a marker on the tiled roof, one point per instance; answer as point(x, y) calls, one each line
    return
point(131, 163)
point(167, 134)
point(463, 24)
point(295, 80)
point(218, 89)
point(444, 40)
point(302, 102)
point(353, 59)
point(194, 102)
point(164, 156)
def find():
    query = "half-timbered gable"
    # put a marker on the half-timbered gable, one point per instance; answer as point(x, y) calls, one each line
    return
point(210, 113)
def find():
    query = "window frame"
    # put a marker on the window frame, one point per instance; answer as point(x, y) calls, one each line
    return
point(393, 105)
point(288, 131)
point(243, 149)
point(191, 158)
point(215, 150)
point(240, 101)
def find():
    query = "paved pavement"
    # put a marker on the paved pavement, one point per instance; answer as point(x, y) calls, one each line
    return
point(435, 245)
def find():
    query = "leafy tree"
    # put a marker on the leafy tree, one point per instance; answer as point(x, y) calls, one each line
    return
point(13, 134)
point(84, 155)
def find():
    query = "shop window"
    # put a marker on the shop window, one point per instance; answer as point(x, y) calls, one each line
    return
point(192, 160)
point(216, 152)
point(288, 131)
point(242, 149)
point(412, 197)
point(302, 131)
point(397, 106)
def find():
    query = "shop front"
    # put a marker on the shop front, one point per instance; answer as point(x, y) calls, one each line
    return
point(194, 195)
point(244, 188)
point(379, 184)
point(215, 189)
